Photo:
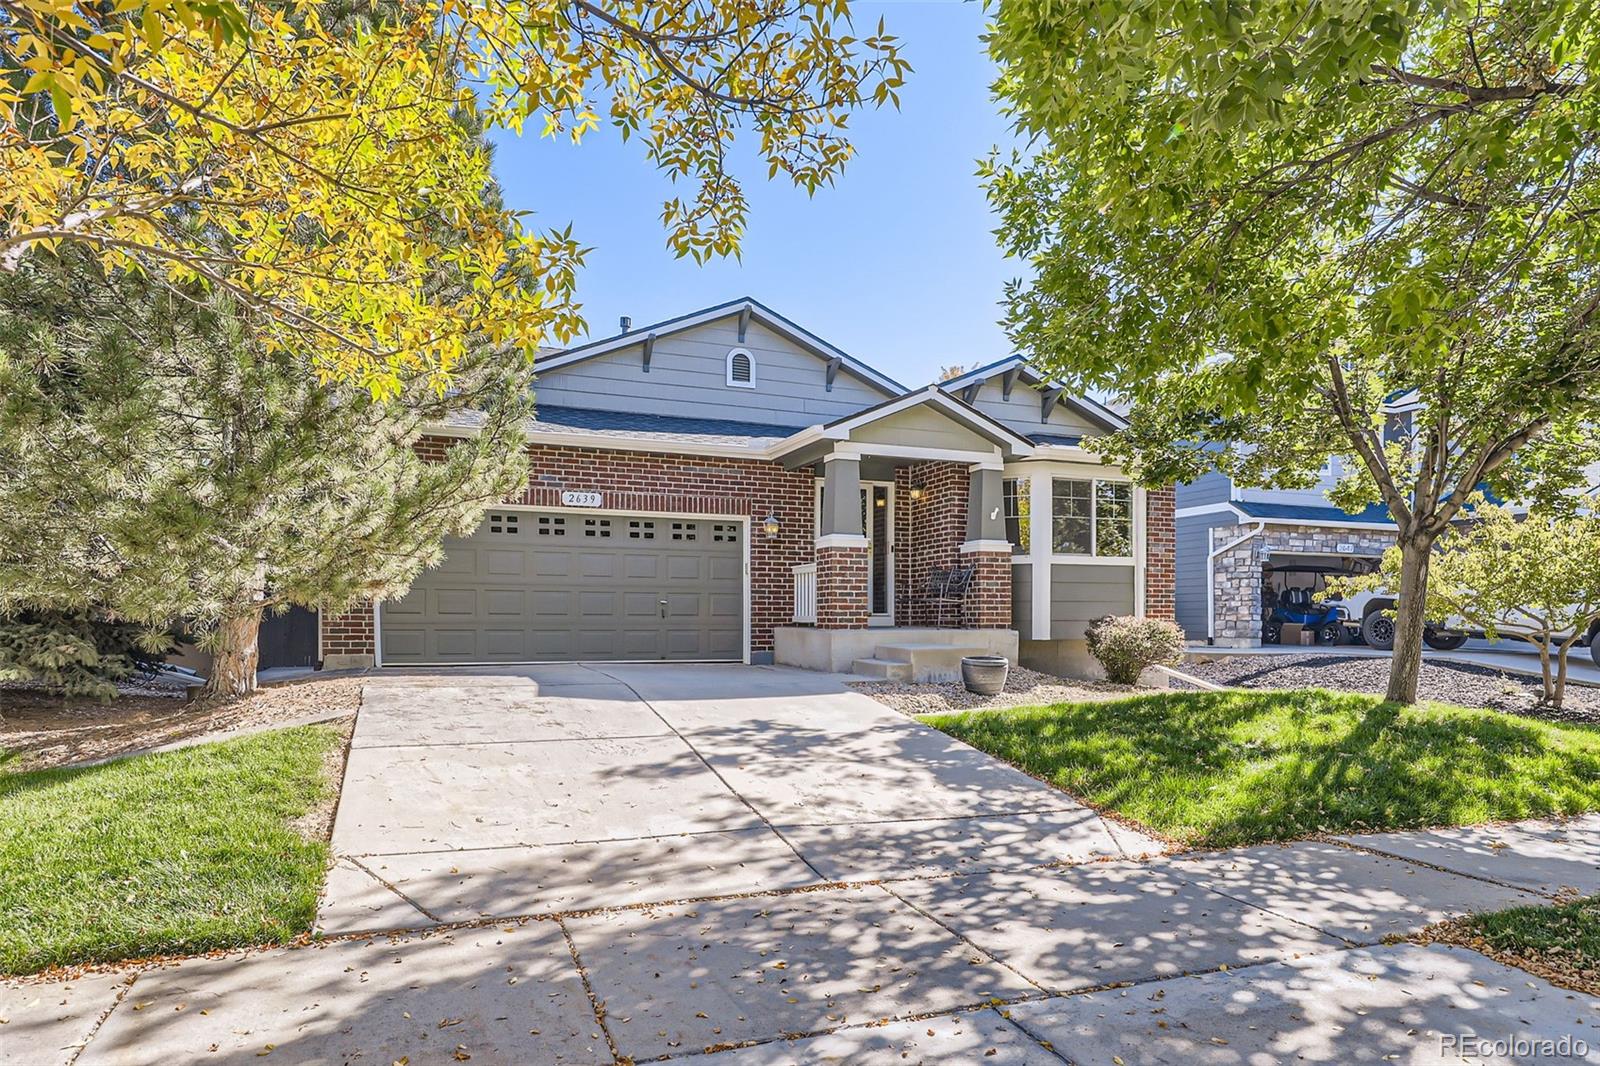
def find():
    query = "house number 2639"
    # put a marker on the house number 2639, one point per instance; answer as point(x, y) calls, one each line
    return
point(581, 499)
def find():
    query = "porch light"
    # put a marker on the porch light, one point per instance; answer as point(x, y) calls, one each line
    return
point(916, 492)
point(771, 526)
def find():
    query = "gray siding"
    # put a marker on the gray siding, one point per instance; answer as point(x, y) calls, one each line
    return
point(688, 377)
point(1021, 412)
point(1193, 547)
point(1082, 592)
point(920, 427)
point(1206, 489)
point(1022, 600)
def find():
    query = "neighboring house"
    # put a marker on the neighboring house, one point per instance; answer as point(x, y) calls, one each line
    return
point(1229, 535)
point(728, 486)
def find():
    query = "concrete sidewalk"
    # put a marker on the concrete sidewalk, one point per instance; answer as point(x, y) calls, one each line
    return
point(752, 865)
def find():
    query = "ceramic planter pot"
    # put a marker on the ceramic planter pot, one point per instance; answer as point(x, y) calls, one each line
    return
point(985, 674)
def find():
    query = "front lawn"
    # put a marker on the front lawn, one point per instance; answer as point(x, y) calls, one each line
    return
point(1220, 769)
point(177, 852)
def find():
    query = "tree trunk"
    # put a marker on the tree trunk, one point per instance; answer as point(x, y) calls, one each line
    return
point(1411, 615)
point(234, 655)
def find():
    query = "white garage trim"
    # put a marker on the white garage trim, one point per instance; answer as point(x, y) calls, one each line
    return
point(744, 522)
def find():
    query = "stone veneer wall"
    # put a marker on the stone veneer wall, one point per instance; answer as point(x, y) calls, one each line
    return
point(1236, 575)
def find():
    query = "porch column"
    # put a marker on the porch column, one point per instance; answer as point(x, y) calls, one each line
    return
point(989, 597)
point(842, 556)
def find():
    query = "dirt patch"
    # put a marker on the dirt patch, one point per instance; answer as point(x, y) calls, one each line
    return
point(1024, 688)
point(317, 823)
point(1463, 684)
point(40, 730)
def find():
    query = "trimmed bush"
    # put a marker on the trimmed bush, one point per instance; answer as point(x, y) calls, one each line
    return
point(1126, 646)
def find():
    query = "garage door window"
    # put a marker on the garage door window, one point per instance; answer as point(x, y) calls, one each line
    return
point(597, 527)
point(552, 527)
point(638, 530)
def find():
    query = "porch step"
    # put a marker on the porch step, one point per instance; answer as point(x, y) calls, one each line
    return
point(928, 663)
point(882, 669)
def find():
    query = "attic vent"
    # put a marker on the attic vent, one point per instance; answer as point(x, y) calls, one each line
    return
point(741, 369)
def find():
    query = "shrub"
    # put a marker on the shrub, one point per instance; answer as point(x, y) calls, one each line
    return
point(1125, 645)
point(80, 653)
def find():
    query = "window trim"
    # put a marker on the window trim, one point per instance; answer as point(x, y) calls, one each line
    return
point(1019, 552)
point(728, 365)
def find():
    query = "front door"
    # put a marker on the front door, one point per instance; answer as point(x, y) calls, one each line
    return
point(877, 519)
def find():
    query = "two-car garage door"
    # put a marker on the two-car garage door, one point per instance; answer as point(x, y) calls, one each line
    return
point(534, 586)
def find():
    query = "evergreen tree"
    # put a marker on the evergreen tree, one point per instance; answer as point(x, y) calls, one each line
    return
point(159, 460)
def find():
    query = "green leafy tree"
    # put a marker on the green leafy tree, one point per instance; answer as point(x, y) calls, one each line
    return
point(1265, 223)
point(1535, 578)
point(158, 459)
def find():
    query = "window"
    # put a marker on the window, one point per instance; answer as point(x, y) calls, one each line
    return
point(741, 369)
point(1113, 519)
point(502, 523)
point(1071, 517)
point(1018, 512)
point(1091, 518)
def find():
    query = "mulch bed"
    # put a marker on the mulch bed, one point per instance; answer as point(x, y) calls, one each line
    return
point(38, 729)
point(1463, 684)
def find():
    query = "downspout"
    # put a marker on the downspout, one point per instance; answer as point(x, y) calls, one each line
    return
point(1211, 578)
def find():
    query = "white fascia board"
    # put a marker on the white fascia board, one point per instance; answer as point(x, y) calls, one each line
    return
point(1211, 508)
point(1319, 523)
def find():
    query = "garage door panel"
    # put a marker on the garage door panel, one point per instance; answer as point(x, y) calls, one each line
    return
point(458, 644)
point(531, 586)
point(503, 603)
point(461, 602)
point(504, 644)
point(503, 563)
point(635, 566)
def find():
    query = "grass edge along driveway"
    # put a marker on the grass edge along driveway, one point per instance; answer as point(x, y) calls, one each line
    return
point(176, 852)
point(1222, 769)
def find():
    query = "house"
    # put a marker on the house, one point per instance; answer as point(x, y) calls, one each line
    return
point(1233, 541)
point(728, 486)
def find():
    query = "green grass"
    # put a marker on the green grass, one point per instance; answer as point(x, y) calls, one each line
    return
point(177, 852)
point(1566, 937)
point(1229, 768)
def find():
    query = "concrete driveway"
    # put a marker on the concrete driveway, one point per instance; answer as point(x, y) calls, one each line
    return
point(752, 866)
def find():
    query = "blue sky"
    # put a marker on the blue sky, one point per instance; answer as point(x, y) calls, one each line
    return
point(895, 264)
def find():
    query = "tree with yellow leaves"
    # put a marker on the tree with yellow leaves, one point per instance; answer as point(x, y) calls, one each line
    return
point(320, 175)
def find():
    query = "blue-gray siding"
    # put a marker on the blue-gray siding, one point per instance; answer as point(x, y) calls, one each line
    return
point(1022, 600)
point(688, 377)
point(1208, 488)
point(1082, 592)
point(1193, 548)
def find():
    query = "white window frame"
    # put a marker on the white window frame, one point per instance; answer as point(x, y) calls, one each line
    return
point(1093, 555)
point(749, 355)
point(1025, 485)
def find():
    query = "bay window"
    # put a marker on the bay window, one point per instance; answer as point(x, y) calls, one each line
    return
point(1091, 517)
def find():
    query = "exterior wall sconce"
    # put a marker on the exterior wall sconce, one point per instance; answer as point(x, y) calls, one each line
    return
point(916, 492)
point(770, 526)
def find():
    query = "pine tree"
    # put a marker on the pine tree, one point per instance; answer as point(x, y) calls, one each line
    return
point(158, 460)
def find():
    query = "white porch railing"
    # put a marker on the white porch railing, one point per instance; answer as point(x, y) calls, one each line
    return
point(805, 593)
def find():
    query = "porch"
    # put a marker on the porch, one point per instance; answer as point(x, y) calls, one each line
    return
point(910, 562)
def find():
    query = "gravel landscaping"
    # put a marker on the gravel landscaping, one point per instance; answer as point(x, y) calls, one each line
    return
point(1462, 684)
point(1024, 688)
point(40, 730)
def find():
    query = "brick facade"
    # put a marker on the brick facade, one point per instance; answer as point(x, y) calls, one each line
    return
point(673, 484)
point(1161, 554)
point(842, 588)
point(988, 603)
point(928, 535)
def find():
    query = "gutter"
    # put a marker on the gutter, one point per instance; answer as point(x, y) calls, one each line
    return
point(1211, 576)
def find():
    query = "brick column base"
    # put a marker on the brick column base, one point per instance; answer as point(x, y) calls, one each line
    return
point(842, 588)
point(988, 603)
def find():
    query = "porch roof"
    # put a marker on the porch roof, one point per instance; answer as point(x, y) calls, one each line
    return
point(970, 435)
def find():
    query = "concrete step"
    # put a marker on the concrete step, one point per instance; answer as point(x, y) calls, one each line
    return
point(882, 669)
point(929, 662)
